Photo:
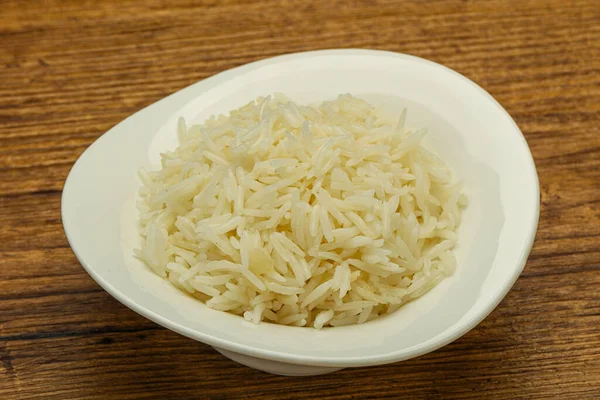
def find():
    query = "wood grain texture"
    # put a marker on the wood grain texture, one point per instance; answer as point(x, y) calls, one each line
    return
point(69, 70)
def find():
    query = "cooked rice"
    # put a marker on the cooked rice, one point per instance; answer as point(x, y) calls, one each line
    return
point(301, 216)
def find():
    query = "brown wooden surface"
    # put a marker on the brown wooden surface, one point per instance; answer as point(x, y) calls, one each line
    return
point(72, 69)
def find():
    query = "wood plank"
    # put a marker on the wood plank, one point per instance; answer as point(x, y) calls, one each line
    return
point(70, 70)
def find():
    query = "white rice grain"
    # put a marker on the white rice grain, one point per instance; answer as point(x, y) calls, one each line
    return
point(298, 215)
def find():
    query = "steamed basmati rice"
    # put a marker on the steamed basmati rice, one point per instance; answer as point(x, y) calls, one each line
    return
point(301, 216)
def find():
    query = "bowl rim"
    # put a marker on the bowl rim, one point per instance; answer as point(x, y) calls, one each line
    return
point(415, 351)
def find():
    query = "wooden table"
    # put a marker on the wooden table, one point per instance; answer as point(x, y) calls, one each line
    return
point(72, 69)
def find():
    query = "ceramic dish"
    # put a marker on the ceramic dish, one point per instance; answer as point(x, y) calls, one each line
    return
point(467, 128)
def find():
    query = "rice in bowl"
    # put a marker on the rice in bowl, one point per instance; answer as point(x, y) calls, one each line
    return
point(299, 215)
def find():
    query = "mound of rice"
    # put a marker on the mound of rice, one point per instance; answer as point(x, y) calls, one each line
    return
point(301, 216)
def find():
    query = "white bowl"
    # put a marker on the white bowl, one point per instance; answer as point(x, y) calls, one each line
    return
point(467, 128)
